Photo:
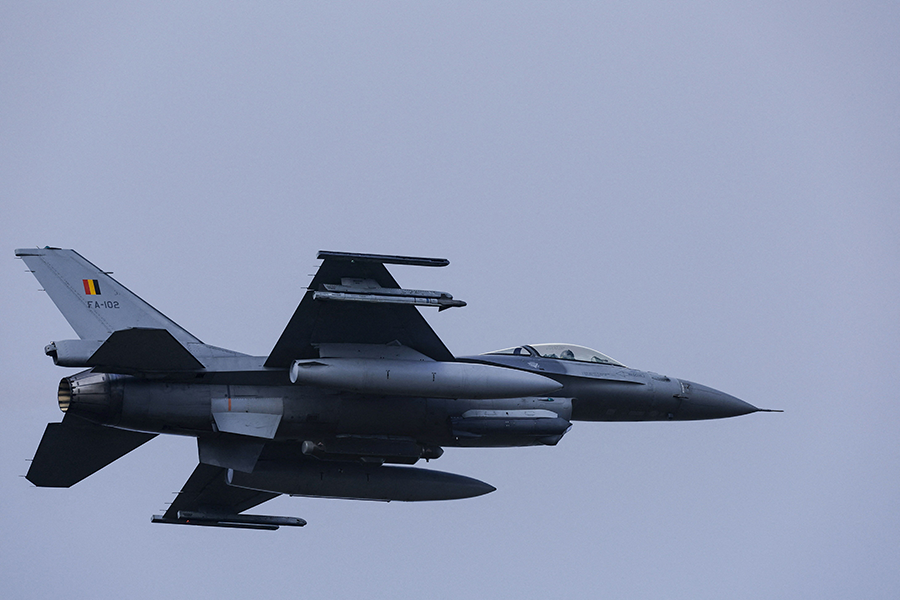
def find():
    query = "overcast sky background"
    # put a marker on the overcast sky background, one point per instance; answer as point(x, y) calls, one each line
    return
point(703, 189)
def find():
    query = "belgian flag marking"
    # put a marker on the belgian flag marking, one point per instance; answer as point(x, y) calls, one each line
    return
point(91, 287)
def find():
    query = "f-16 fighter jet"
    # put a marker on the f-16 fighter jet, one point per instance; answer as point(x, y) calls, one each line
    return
point(357, 389)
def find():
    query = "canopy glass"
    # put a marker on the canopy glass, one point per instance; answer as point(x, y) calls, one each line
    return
point(560, 352)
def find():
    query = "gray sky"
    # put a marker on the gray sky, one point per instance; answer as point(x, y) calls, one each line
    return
point(706, 190)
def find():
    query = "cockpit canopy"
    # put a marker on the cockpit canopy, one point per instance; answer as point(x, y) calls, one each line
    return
point(561, 352)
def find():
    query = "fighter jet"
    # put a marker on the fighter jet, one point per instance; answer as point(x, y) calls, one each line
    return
point(358, 388)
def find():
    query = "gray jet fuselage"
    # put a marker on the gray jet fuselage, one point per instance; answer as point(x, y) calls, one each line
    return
point(589, 392)
point(357, 383)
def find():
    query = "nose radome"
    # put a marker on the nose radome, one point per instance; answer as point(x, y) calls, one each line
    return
point(703, 402)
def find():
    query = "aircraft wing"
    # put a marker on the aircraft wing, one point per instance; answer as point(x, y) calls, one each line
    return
point(353, 299)
point(206, 499)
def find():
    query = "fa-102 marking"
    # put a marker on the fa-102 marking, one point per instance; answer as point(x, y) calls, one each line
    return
point(104, 304)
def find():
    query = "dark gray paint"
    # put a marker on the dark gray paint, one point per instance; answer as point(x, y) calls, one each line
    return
point(331, 438)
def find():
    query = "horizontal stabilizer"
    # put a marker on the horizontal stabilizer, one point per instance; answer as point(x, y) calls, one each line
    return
point(141, 349)
point(75, 448)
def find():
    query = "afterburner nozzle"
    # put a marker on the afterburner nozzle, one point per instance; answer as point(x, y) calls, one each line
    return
point(88, 395)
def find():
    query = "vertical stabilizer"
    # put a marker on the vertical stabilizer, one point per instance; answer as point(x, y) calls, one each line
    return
point(93, 303)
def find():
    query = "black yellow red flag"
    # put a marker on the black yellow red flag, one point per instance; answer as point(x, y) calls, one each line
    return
point(91, 287)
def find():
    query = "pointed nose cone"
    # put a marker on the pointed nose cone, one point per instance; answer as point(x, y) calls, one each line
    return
point(702, 402)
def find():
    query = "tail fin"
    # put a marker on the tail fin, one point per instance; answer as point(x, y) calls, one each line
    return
point(93, 303)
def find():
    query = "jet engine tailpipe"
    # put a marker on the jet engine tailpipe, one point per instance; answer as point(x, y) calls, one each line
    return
point(88, 395)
